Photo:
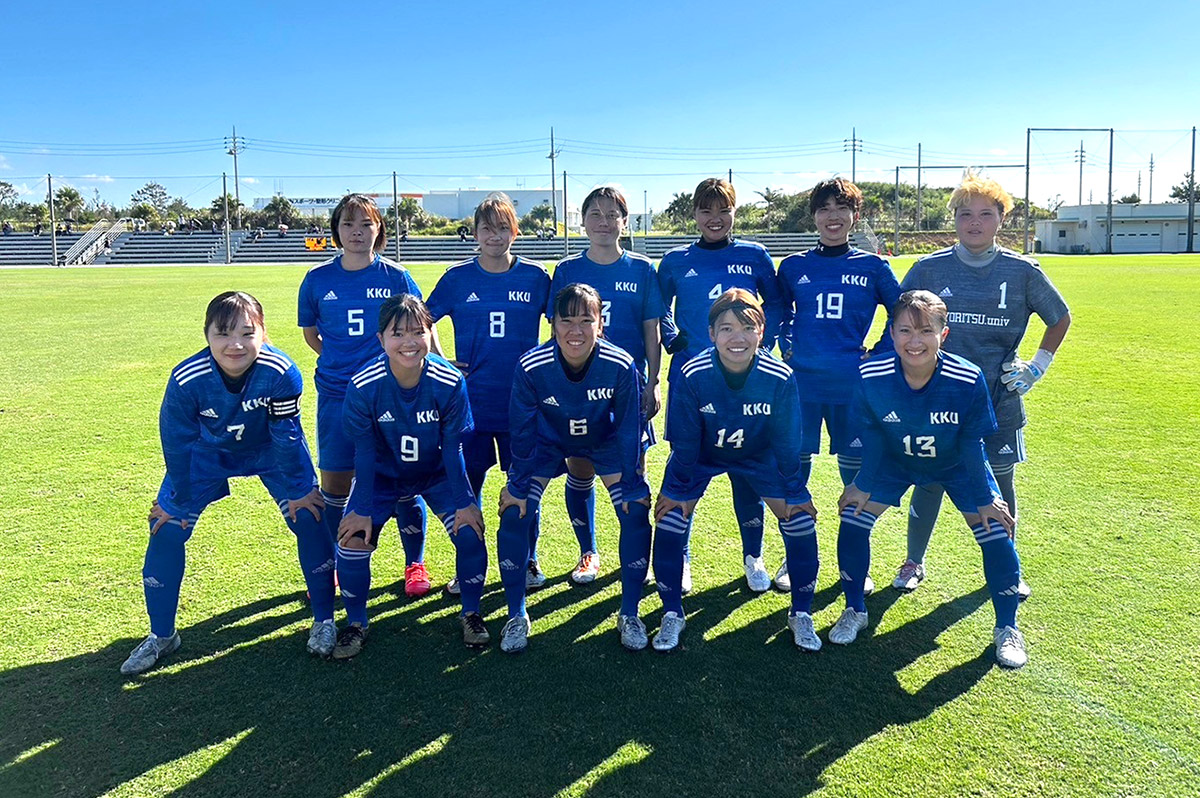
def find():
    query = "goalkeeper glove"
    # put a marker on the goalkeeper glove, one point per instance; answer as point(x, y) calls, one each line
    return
point(1020, 376)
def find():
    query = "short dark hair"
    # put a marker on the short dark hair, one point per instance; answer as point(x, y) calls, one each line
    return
point(745, 307)
point(606, 192)
point(921, 306)
point(576, 298)
point(227, 308)
point(714, 191)
point(497, 210)
point(367, 207)
point(840, 190)
point(400, 308)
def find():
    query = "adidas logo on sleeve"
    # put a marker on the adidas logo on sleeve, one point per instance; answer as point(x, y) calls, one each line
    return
point(803, 280)
point(550, 400)
point(691, 273)
point(473, 297)
point(946, 292)
point(856, 444)
point(386, 417)
point(892, 418)
point(209, 413)
point(708, 408)
point(329, 296)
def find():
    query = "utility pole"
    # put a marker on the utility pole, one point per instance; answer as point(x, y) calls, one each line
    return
point(1139, 189)
point(554, 189)
point(1192, 195)
point(731, 177)
point(1108, 228)
point(919, 214)
point(396, 213)
point(235, 146)
point(645, 214)
point(1151, 197)
point(896, 231)
point(566, 219)
point(855, 147)
point(225, 203)
point(1079, 156)
point(54, 220)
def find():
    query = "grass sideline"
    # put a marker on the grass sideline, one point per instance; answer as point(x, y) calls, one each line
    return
point(1107, 705)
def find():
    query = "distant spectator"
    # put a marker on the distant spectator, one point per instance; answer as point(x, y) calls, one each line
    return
point(283, 228)
point(67, 227)
point(58, 230)
point(169, 228)
point(259, 233)
point(213, 226)
point(404, 235)
point(8, 228)
point(37, 229)
point(463, 231)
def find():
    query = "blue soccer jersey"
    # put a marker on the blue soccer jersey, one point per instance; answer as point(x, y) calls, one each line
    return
point(989, 309)
point(344, 307)
point(203, 422)
point(753, 428)
point(497, 318)
point(596, 415)
point(692, 277)
point(934, 434)
point(829, 304)
point(413, 436)
point(629, 297)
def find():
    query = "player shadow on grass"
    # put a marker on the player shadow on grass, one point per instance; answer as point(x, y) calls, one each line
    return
point(736, 708)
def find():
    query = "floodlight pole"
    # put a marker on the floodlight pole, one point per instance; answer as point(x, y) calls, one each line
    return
point(566, 219)
point(919, 214)
point(1108, 230)
point(553, 189)
point(237, 194)
point(396, 213)
point(896, 230)
point(53, 220)
point(1192, 195)
point(645, 214)
point(1028, 139)
point(225, 203)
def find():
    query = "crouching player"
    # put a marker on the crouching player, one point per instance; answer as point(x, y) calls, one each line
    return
point(575, 396)
point(232, 410)
point(406, 413)
point(923, 414)
point(735, 409)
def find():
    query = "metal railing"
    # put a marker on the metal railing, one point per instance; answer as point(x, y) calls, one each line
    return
point(95, 241)
point(87, 239)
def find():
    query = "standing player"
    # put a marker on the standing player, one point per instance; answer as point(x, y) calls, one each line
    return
point(923, 415)
point(575, 396)
point(339, 301)
point(406, 413)
point(991, 292)
point(735, 409)
point(830, 294)
point(495, 301)
point(232, 410)
point(630, 307)
point(692, 277)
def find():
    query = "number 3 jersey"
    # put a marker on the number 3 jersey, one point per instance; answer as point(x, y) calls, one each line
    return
point(410, 435)
point(989, 309)
point(497, 318)
point(927, 435)
point(232, 431)
point(344, 307)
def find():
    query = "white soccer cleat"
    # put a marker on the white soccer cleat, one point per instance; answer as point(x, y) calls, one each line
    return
point(452, 587)
point(649, 580)
point(783, 582)
point(868, 585)
point(672, 627)
point(534, 577)
point(514, 637)
point(148, 652)
point(1010, 647)
point(322, 638)
point(587, 569)
point(685, 583)
point(757, 578)
point(846, 630)
point(803, 634)
point(633, 632)
point(910, 576)
point(1023, 590)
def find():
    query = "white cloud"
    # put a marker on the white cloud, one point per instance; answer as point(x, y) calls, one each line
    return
point(4, 164)
point(482, 177)
point(250, 181)
point(24, 190)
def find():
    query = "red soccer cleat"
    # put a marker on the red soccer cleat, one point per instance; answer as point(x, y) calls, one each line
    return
point(416, 580)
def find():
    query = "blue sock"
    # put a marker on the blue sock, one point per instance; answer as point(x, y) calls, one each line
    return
point(923, 508)
point(410, 520)
point(512, 549)
point(634, 549)
point(354, 578)
point(162, 575)
point(580, 498)
point(1001, 569)
point(669, 539)
point(316, 561)
point(470, 563)
point(800, 549)
point(335, 507)
point(748, 508)
point(805, 468)
point(848, 468)
point(854, 555)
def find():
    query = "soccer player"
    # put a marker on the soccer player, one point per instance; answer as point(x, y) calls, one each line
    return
point(232, 410)
point(339, 301)
point(406, 413)
point(691, 278)
point(630, 307)
point(923, 414)
point(575, 396)
point(991, 292)
point(495, 301)
point(734, 409)
point(830, 294)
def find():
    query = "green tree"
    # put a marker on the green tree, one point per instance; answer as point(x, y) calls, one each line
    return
point(8, 195)
point(280, 210)
point(1179, 193)
point(154, 195)
point(1130, 199)
point(539, 217)
point(179, 206)
point(678, 214)
point(773, 202)
point(68, 202)
point(147, 212)
point(216, 208)
point(412, 215)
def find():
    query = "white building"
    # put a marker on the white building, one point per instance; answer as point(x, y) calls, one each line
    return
point(461, 203)
point(1136, 228)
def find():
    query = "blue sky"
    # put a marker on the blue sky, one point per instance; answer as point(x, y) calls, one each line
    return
point(654, 97)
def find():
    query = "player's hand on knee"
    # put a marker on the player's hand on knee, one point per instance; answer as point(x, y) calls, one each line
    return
point(665, 504)
point(507, 500)
point(998, 511)
point(472, 517)
point(853, 497)
point(354, 526)
point(313, 502)
point(159, 516)
point(808, 507)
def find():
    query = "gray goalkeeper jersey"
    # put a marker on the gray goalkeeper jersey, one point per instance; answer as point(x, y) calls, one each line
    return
point(989, 309)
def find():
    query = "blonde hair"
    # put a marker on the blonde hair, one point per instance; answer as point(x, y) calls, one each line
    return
point(973, 185)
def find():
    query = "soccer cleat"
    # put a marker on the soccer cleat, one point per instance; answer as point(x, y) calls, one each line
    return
point(350, 641)
point(587, 569)
point(685, 583)
point(633, 632)
point(416, 580)
point(757, 578)
point(846, 630)
point(910, 576)
point(534, 577)
point(322, 638)
point(783, 582)
point(148, 652)
point(514, 637)
point(1010, 647)
point(452, 586)
point(805, 637)
point(868, 586)
point(475, 634)
point(672, 627)
point(1023, 590)
point(649, 580)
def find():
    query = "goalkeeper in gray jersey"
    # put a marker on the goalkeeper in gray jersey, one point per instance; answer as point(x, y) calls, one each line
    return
point(990, 292)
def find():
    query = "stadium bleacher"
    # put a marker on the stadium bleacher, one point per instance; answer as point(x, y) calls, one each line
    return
point(26, 249)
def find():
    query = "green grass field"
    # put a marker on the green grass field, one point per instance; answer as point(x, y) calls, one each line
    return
point(1109, 704)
